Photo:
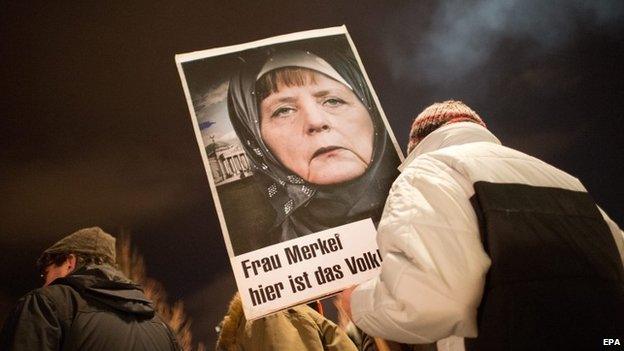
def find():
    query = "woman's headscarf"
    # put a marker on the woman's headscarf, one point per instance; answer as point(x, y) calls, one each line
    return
point(302, 208)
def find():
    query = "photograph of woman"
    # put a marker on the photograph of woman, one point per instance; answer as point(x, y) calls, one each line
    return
point(313, 138)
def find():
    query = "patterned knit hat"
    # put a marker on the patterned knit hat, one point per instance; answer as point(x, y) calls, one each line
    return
point(437, 115)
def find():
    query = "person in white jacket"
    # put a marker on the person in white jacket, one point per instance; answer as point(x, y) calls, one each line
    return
point(483, 242)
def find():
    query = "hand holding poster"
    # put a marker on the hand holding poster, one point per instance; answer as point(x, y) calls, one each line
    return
point(299, 159)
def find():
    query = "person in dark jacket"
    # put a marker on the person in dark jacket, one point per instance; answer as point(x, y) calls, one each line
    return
point(85, 303)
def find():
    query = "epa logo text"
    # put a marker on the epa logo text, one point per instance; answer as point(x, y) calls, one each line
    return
point(611, 342)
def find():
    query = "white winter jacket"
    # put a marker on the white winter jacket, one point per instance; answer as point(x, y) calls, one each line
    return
point(434, 264)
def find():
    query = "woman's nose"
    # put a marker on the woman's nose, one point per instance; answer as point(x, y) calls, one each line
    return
point(316, 119)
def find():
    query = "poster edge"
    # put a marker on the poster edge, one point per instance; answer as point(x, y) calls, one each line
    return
point(180, 59)
point(389, 130)
point(204, 158)
point(284, 38)
point(225, 234)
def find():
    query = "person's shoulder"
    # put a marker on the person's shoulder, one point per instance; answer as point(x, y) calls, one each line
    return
point(472, 155)
point(304, 311)
point(297, 315)
point(473, 149)
point(306, 314)
point(52, 297)
point(423, 166)
point(55, 294)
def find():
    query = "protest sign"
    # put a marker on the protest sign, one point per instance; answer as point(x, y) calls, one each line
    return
point(299, 157)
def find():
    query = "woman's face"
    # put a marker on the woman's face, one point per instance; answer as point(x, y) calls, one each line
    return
point(319, 130)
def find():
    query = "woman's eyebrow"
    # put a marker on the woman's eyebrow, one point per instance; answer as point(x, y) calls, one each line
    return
point(325, 92)
point(272, 99)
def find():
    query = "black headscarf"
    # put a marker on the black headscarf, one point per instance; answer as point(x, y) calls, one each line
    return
point(300, 207)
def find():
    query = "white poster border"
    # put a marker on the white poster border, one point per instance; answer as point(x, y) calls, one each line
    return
point(235, 261)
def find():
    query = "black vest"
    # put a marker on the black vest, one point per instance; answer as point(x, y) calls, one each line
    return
point(556, 280)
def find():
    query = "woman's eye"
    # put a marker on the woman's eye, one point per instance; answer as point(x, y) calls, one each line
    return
point(333, 102)
point(283, 112)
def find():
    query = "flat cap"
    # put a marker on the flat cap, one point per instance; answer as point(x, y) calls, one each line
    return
point(89, 241)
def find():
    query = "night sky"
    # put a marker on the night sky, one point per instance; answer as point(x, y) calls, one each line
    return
point(96, 131)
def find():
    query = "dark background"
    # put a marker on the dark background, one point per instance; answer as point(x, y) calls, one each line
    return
point(96, 131)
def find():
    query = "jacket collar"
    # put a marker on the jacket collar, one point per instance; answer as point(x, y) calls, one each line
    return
point(450, 135)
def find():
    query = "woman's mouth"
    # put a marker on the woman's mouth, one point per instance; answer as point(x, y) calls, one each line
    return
point(325, 151)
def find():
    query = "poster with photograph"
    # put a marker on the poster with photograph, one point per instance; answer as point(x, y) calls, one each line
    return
point(300, 159)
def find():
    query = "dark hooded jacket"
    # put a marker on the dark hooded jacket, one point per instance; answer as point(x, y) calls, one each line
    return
point(95, 308)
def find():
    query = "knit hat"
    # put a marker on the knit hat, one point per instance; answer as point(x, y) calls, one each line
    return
point(437, 115)
point(88, 241)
